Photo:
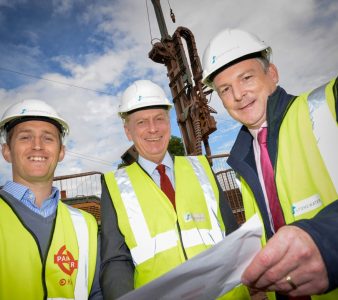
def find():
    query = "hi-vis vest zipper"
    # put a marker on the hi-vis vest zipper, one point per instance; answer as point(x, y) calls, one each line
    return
point(156, 246)
point(308, 137)
point(68, 271)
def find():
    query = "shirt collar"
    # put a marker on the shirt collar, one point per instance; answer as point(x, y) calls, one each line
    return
point(15, 189)
point(150, 166)
point(254, 132)
point(19, 191)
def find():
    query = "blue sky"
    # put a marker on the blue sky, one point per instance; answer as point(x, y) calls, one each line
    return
point(79, 56)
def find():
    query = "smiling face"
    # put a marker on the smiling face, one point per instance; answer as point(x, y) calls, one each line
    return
point(244, 89)
point(35, 149)
point(149, 129)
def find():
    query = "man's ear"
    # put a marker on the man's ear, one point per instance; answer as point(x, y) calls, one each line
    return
point(62, 153)
point(273, 71)
point(6, 153)
point(127, 132)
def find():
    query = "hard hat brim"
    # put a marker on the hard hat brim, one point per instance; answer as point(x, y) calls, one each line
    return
point(12, 123)
point(208, 80)
point(161, 106)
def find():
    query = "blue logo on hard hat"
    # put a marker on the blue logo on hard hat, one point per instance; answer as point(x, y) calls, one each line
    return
point(23, 111)
point(213, 59)
point(139, 98)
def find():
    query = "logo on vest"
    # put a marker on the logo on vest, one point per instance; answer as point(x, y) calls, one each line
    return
point(65, 260)
point(188, 217)
point(306, 205)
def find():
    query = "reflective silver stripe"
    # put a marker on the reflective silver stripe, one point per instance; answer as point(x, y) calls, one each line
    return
point(167, 240)
point(137, 221)
point(194, 236)
point(147, 246)
point(215, 234)
point(60, 298)
point(82, 235)
point(325, 130)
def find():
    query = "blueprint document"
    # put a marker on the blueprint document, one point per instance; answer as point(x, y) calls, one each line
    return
point(210, 273)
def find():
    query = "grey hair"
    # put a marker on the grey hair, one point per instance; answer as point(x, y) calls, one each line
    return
point(264, 62)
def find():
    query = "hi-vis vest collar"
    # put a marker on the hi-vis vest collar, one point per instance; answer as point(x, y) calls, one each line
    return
point(325, 130)
point(167, 240)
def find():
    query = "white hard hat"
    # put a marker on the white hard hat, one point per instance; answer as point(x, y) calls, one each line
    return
point(142, 93)
point(227, 46)
point(27, 109)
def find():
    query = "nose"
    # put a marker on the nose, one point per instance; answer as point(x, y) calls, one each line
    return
point(238, 92)
point(152, 126)
point(37, 144)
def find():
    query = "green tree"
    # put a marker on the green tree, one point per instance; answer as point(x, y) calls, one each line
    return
point(175, 147)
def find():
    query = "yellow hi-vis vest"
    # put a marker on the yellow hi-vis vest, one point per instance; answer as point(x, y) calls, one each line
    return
point(306, 169)
point(158, 237)
point(69, 269)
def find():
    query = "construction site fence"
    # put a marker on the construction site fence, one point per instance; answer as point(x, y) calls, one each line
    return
point(79, 185)
point(227, 179)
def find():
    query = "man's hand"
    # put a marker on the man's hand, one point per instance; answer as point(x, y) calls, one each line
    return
point(289, 253)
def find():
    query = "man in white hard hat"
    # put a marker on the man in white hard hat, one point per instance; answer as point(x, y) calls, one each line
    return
point(152, 223)
point(47, 249)
point(286, 157)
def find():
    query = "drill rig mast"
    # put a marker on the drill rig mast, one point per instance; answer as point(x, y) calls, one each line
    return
point(185, 81)
point(191, 105)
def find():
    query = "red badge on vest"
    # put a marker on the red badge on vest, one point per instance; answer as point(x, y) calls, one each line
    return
point(65, 260)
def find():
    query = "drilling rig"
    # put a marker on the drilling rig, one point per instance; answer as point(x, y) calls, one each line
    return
point(185, 81)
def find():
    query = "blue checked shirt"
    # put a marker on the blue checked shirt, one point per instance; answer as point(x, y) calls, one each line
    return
point(26, 197)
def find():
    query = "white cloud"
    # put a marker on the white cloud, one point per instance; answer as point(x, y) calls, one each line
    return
point(62, 7)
